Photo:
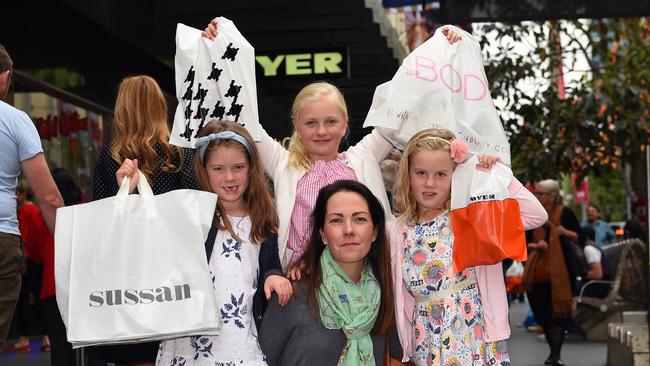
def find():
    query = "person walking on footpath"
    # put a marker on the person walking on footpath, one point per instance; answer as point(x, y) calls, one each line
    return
point(20, 151)
point(548, 276)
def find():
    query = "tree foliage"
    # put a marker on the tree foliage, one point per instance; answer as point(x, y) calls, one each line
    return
point(601, 120)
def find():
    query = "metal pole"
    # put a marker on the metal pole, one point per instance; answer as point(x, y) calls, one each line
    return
point(81, 359)
point(647, 170)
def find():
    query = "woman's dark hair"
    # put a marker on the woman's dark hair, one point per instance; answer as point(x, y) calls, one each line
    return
point(633, 229)
point(64, 181)
point(379, 255)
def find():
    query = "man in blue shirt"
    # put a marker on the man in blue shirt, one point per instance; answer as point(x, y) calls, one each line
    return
point(20, 151)
point(604, 233)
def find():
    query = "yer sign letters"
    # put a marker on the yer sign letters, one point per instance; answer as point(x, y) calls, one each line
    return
point(322, 62)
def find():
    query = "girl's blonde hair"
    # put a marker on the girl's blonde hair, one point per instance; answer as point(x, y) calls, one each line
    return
point(259, 203)
point(141, 124)
point(427, 140)
point(298, 156)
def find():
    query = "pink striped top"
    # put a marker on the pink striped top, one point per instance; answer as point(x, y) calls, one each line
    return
point(321, 174)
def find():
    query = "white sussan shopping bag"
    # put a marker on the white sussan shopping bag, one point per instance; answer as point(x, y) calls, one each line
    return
point(215, 80)
point(442, 85)
point(133, 267)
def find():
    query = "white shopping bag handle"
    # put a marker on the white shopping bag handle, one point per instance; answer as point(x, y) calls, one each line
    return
point(144, 189)
point(143, 186)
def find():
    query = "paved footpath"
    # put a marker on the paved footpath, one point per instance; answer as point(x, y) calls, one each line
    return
point(527, 350)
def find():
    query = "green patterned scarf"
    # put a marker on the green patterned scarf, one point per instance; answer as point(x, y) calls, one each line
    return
point(350, 307)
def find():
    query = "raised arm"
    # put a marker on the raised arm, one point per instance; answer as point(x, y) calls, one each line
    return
point(377, 143)
point(271, 152)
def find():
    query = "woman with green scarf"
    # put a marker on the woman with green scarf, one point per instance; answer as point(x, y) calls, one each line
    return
point(342, 307)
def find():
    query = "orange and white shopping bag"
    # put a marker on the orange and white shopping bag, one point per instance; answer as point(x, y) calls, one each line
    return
point(485, 219)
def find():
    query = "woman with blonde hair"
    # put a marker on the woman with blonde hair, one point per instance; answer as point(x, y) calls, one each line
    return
point(140, 141)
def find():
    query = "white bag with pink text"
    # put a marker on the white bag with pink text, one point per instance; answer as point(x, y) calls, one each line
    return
point(442, 85)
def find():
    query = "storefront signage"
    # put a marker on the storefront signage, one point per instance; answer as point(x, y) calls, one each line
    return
point(300, 63)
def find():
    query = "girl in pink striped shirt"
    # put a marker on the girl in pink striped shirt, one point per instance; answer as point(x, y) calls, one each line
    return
point(320, 121)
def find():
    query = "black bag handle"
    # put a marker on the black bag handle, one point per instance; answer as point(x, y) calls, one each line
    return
point(209, 242)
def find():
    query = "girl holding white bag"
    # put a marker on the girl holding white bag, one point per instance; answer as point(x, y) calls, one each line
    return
point(242, 250)
point(141, 133)
point(442, 316)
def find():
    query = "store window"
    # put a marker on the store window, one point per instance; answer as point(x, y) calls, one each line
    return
point(72, 137)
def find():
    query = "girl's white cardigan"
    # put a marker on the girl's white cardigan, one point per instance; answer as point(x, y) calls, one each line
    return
point(363, 158)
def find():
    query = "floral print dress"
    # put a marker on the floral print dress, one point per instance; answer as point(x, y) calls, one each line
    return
point(234, 267)
point(448, 320)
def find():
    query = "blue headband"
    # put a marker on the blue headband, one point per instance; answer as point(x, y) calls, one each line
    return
point(203, 142)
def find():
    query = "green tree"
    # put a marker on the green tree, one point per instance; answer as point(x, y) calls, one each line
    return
point(602, 119)
point(607, 192)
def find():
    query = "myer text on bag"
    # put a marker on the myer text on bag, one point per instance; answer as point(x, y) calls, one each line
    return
point(483, 197)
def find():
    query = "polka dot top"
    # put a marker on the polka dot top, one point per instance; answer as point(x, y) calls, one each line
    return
point(105, 184)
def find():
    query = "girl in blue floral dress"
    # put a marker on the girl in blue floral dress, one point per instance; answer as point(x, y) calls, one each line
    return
point(242, 251)
point(440, 314)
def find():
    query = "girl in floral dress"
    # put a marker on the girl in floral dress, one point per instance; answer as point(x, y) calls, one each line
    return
point(242, 251)
point(443, 317)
